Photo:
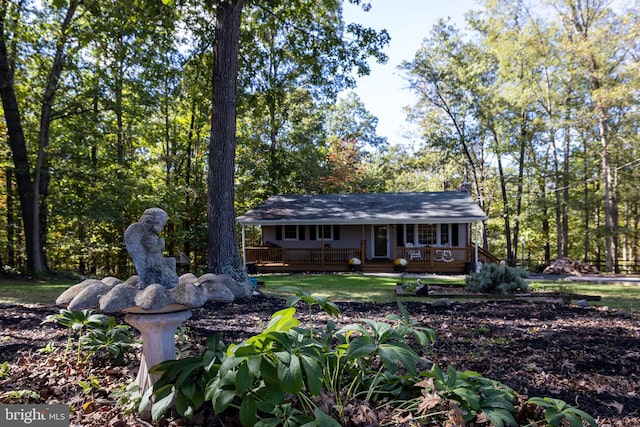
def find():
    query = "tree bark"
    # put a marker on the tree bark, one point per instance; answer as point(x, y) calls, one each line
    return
point(223, 254)
point(29, 190)
point(17, 143)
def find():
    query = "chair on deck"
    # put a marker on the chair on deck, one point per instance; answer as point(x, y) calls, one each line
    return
point(443, 256)
point(413, 254)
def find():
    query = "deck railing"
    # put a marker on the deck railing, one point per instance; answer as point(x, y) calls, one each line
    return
point(434, 255)
point(307, 256)
point(332, 256)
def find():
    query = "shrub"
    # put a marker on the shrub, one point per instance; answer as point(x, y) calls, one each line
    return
point(497, 279)
point(95, 333)
point(290, 376)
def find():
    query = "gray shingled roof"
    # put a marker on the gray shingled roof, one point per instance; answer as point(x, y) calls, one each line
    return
point(369, 208)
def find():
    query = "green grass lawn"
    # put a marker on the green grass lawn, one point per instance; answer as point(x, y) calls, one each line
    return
point(353, 287)
point(615, 295)
point(24, 291)
point(342, 287)
point(346, 287)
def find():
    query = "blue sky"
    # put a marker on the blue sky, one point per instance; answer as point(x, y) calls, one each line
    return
point(408, 23)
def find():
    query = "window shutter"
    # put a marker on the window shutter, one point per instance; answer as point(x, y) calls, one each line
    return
point(278, 232)
point(455, 235)
point(400, 235)
point(312, 232)
point(301, 230)
point(336, 232)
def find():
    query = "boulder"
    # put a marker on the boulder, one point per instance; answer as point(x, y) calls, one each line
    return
point(153, 297)
point(188, 278)
point(89, 297)
point(216, 291)
point(189, 295)
point(238, 290)
point(121, 297)
point(133, 280)
point(111, 281)
point(67, 296)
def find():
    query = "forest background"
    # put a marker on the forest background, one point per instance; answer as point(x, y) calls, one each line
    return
point(535, 104)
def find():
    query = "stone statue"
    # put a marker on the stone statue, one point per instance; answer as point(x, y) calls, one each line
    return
point(146, 248)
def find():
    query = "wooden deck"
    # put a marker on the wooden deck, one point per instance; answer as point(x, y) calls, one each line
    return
point(420, 260)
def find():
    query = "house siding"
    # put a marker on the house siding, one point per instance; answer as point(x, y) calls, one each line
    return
point(351, 236)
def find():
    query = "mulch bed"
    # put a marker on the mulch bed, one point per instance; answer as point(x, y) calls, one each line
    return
point(588, 357)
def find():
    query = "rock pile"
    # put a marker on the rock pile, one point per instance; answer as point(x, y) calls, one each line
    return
point(571, 267)
point(112, 295)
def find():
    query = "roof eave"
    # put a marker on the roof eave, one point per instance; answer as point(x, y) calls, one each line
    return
point(381, 221)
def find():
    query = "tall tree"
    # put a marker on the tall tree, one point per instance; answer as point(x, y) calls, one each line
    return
point(592, 38)
point(448, 88)
point(30, 189)
point(223, 254)
point(312, 50)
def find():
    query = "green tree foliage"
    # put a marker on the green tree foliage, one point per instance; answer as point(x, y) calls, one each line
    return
point(131, 118)
point(537, 101)
point(107, 109)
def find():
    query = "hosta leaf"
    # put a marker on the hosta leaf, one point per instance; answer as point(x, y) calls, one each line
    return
point(394, 353)
point(188, 390)
point(499, 417)
point(221, 400)
point(360, 347)
point(248, 411)
point(244, 379)
point(162, 404)
point(468, 396)
point(313, 373)
point(290, 376)
point(182, 404)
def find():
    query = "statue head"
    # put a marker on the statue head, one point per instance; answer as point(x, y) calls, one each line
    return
point(154, 219)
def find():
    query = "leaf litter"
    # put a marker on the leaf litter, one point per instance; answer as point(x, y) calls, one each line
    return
point(586, 356)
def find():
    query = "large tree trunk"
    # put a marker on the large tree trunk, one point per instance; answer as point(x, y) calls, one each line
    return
point(30, 191)
point(22, 168)
point(223, 254)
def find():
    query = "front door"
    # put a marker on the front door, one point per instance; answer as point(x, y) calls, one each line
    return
point(381, 241)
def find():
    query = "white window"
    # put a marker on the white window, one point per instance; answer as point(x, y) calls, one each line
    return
point(444, 234)
point(325, 232)
point(427, 234)
point(290, 232)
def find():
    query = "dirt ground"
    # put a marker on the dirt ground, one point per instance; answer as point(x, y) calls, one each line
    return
point(588, 357)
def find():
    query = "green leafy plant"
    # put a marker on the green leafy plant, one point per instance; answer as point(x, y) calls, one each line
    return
point(94, 332)
point(475, 395)
point(47, 349)
point(289, 375)
point(92, 383)
point(75, 321)
point(497, 278)
point(184, 381)
point(310, 301)
point(128, 397)
point(260, 376)
point(5, 371)
point(104, 334)
point(20, 395)
point(557, 411)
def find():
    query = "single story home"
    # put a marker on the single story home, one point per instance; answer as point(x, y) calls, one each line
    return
point(433, 232)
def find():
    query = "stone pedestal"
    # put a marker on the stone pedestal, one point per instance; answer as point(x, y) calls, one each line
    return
point(158, 341)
